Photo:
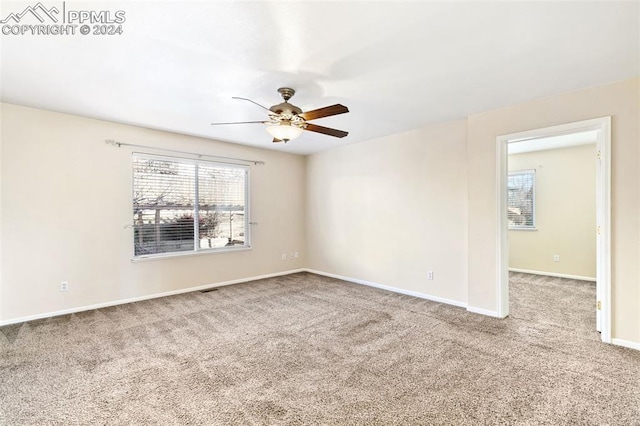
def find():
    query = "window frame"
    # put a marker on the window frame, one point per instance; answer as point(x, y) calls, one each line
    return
point(196, 251)
point(534, 225)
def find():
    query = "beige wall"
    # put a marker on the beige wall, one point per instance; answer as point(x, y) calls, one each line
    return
point(356, 192)
point(621, 101)
point(565, 201)
point(390, 209)
point(66, 199)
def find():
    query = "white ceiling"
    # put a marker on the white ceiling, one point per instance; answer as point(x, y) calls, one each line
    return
point(396, 65)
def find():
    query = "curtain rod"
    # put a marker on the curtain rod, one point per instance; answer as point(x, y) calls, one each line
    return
point(119, 144)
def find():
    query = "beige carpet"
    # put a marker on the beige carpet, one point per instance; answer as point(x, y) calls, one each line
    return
point(304, 349)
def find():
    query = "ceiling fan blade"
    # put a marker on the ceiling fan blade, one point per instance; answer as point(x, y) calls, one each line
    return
point(326, 130)
point(253, 102)
point(324, 112)
point(276, 140)
point(240, 122)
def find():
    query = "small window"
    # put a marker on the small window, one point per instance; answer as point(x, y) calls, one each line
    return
point(182, 205)
point(521, 187)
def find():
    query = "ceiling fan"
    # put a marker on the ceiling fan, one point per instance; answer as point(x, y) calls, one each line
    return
point(287, 121)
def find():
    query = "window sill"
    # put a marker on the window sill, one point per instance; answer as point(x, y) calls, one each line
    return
point(523, 229)
point(161, 256)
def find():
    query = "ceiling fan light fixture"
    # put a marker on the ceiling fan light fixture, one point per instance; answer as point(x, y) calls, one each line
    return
point(284, 131)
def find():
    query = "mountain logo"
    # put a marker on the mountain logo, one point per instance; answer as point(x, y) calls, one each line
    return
point(40, 12)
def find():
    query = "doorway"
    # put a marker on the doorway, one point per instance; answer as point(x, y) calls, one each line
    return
point(601, 127)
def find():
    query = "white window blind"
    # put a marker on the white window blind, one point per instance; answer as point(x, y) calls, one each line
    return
point(183, 205)
point(521, 186)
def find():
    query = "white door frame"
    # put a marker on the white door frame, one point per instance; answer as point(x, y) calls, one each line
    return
point(603, 212)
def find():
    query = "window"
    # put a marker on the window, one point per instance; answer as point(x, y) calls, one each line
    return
point(521, 199)
point(183, 205)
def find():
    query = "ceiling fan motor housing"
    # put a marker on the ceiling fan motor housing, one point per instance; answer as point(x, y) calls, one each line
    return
point(286, 108)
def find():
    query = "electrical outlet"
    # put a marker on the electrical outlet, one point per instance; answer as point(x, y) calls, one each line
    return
point(556, 258)
point(64, 286)
point(284, 256)
point(429, 275)
point(291, 256)
point(295, 255)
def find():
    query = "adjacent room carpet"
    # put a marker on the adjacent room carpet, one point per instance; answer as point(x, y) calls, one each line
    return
point(305, 349)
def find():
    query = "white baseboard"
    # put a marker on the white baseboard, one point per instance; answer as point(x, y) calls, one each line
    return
point(626, 344)
point(146, 297)
point(553, 274)
point(483, 312)
point(389, 288)
point(618, 342)
point(409, 293)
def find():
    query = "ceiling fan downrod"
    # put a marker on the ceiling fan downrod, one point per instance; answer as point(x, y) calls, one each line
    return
point(286, 93)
